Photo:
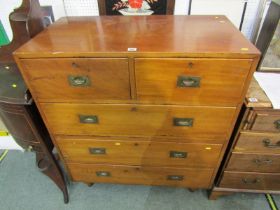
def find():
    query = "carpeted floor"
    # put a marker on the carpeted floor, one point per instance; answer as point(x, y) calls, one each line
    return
point(23, 187)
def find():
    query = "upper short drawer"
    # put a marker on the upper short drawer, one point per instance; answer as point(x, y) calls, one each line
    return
point(75, 79)
point(191, 81)
point(262, 120)
point(191, 123)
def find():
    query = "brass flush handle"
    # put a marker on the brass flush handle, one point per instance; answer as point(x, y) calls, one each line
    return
point(277, 124)
point(253, 181)
point(176, 154)
point(175, 177)
point(188, 122)
point(188, 81)
point(79, 81)
point(88, 119)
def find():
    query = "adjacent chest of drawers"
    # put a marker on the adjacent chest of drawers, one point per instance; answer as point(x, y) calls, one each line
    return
point(253, 163)
point(140, 100)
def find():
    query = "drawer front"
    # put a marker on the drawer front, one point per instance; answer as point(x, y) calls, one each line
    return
point(246, 180)
point(139, 120)
point(258, 142)
point(71, 79)
point(191, 81)
point(254, 162)
point(195, 178)
point(133, 152)
point(268, 121)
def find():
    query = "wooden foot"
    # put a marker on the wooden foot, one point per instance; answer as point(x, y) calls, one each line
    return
point(214, 194)
point(90, 184)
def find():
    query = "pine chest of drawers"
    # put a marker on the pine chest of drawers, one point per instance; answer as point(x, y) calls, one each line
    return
point(140, 100)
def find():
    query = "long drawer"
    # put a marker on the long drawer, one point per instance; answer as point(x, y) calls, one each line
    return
point(139, 120)
point(254, 142)
point(145, 153)
point(78, 79)
point(250, 180)
point(254, 162)
point(191, 81)
point(183, 177)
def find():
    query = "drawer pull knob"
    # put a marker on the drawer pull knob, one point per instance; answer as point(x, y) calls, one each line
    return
point(188, 81)
point(175, 177)
point(97, 151)
point(188, 122)
point(88, 119)
point(79, 81)
point(103, 174)
point(260, 162)
point(176, 154)
point(253, 181)
point(277, 124)
point(267, 143)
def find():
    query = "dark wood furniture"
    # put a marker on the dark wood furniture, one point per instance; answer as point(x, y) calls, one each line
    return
point(140, 99)
point(17, 108)
point(110, 7)
point(252, 162)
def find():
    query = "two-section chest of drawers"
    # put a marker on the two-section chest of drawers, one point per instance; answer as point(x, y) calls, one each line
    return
point(160, 114)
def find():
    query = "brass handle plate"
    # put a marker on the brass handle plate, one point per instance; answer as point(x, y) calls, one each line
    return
point(260, 162)
point(267, 143)
point(175, 177)
point(97, 151)
point(253, 181)
point(88, 119)
point(176, 154)
point(78, 81)
point(188, 81)
point(277, 124)
point(103, 173)
point(188, 122)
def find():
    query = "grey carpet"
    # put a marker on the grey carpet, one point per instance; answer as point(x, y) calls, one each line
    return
point(23, 187)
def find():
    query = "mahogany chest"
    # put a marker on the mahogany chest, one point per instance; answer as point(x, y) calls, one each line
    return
point(140, 100)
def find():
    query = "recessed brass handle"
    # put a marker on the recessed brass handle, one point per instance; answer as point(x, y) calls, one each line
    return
point(75, 65)
point(188, 122)
point(97, 151)
point(176, 154)
point(277, 124)
point(267, 143)
point(261, 162)
point(253, 181)
point(88, 119)
point(103, 173)
point(188, 81)
point(175, 177)
point(79, 81)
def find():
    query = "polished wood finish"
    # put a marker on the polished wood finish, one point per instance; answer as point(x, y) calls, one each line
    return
point(160, 36)
point(264, 120)
point(156, 80)
point(155, 51)
point(249, 180)
point(139, 152)
point(254, 142)
point(132, 120)
point(17, 108)
point(108, 78)
point(252, 163)
point(196, 178)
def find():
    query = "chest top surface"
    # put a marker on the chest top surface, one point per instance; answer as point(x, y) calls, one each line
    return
point(201, 36)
